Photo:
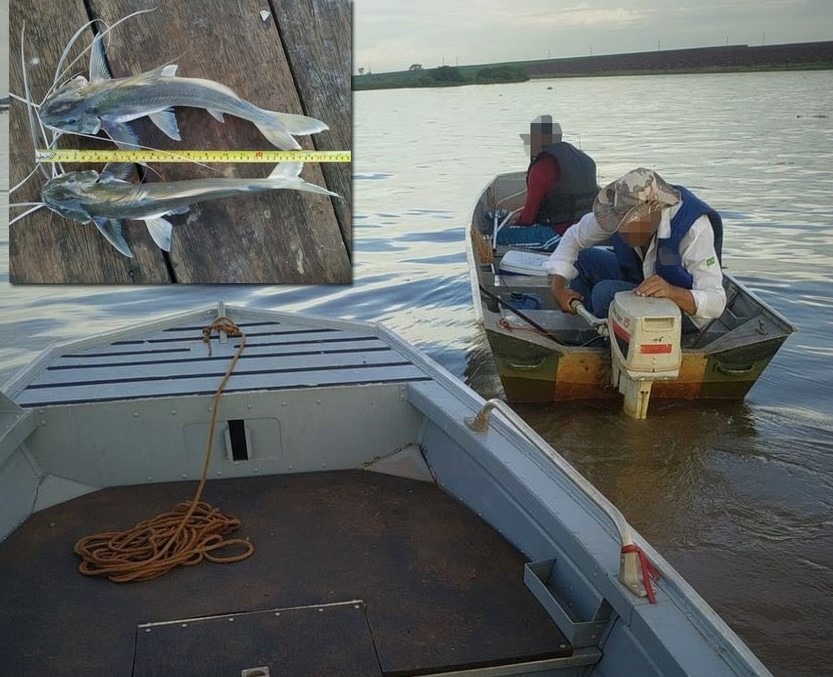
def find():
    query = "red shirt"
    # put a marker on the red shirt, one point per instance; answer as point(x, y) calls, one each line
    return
point(542, 178)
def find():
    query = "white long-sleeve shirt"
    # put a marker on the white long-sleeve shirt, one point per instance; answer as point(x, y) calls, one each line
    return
point(697, 253)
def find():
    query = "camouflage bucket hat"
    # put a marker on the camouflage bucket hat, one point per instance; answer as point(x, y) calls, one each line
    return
point(631, 197)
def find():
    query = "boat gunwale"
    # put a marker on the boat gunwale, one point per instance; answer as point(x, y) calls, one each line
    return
point(674, 588)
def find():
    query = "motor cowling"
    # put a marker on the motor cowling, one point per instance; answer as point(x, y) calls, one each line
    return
point(645, 346)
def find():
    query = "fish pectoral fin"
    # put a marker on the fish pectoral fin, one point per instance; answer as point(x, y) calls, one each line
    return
point(111, 229)
point(98, 63)
point(160, 231)
point(166, 121)
point(180, 210)
point(121, 134)
point(217, 115)
point(117, 170)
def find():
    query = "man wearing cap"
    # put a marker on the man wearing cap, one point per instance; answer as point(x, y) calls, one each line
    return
point(560, 188)
point(666, 244)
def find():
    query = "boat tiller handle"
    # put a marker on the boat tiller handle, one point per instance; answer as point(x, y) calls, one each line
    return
point(597, 323)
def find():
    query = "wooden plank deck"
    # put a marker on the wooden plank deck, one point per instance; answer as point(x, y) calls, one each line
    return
point(297, 61)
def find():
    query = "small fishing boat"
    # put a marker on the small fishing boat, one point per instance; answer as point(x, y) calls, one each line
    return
point(545, 355)
point(388, 520)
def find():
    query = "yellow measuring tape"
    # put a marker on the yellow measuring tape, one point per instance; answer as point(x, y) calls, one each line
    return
point(270, 156)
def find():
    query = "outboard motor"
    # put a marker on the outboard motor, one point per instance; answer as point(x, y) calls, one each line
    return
point(645, 346)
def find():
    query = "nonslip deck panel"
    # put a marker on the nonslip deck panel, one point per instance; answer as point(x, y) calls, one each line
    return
point(277, 638)
point(177, 361)
point(440, 587)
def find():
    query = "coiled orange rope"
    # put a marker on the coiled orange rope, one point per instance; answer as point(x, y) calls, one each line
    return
point(186, 535)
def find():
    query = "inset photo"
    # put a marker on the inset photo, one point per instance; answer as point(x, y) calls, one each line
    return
point(180, 142)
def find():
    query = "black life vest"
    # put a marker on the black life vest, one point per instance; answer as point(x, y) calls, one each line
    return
point(573, 194)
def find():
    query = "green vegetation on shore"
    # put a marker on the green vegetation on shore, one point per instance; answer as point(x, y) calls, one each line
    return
point(444, 76)
point(731, 58)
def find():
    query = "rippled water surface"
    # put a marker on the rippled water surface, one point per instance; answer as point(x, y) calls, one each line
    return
point(738, 496)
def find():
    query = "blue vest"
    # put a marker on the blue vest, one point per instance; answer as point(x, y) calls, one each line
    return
point(669, 262)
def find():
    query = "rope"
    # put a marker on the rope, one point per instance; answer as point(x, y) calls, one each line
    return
point(485, 253)
point(505, 324)
point(186, 535)
point(649, 570)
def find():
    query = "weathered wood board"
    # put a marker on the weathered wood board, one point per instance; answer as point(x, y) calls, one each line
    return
point(297, 60)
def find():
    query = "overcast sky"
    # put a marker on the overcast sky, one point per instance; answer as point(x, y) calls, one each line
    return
point(393, 34)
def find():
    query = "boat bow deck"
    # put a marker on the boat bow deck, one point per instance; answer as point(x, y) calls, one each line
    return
point(174, 361)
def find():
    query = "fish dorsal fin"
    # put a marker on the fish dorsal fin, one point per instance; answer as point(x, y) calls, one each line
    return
point(111, 229)
point(150, 77)
point(166, 121)
point(98, 62)
point(160, 231)
point(287, 169)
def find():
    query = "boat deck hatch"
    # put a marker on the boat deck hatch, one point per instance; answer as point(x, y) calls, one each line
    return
point(330, 639)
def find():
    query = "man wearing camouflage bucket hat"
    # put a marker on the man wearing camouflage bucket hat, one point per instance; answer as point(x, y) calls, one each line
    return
point(666, 244)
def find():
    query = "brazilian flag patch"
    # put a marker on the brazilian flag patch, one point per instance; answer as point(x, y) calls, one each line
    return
point(711, 261)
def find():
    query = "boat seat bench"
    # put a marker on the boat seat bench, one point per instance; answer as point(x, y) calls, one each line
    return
point(435, 586)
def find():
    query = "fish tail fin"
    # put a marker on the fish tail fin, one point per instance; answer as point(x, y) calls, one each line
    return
point(286, 175)
point(279, 128)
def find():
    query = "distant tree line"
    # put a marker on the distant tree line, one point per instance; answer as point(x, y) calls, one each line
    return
point(449, 75)
point(501, 74)
point(443, 76)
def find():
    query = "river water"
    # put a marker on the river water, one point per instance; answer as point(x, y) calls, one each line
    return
point(738, 496)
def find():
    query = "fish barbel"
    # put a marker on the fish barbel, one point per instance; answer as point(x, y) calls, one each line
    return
point(83, 106)
point(106, 199)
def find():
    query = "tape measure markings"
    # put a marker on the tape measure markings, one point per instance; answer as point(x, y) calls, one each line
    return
point(266, 156)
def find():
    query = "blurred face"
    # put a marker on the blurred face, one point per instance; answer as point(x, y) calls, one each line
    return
point(537, 140)
point(638, 233)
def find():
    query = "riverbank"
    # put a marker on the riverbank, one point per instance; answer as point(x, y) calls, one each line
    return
point(731, 58)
